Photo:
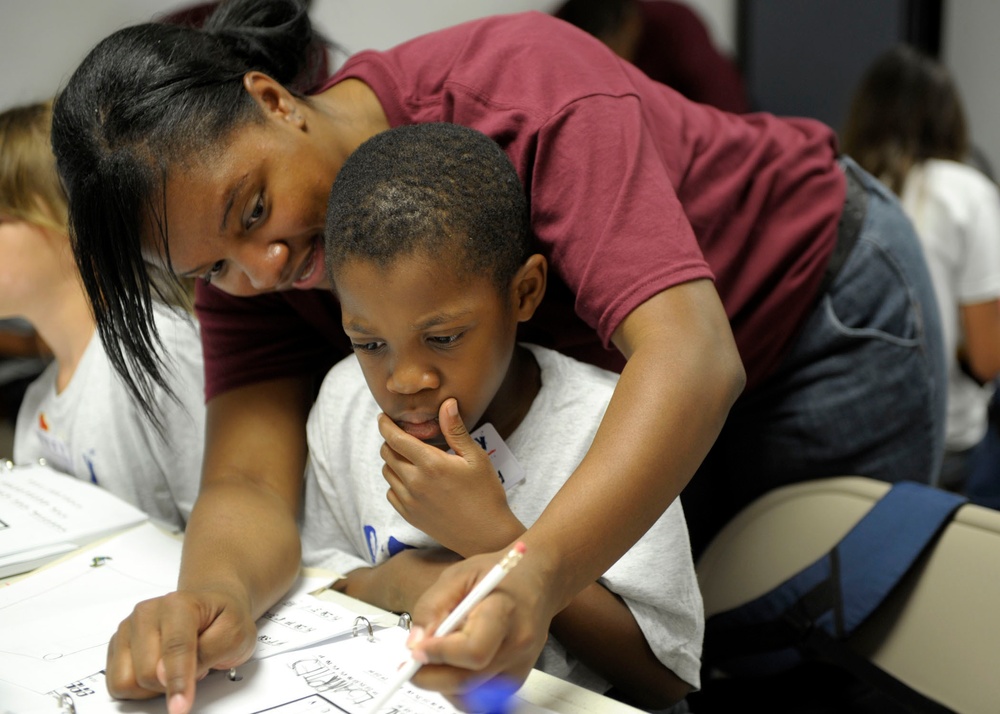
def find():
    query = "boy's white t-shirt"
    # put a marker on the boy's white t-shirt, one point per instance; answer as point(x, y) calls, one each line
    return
point(956, 212)
point(93, 429)
point(348, 523)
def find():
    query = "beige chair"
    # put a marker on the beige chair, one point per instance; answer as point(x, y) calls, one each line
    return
point(939, 631)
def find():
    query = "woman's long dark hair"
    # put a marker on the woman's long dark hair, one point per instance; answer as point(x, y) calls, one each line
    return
point(144, 98)
point(906, 110)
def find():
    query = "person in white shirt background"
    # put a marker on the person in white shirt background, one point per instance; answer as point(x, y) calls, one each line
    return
point(907, 126)
point(78, 414)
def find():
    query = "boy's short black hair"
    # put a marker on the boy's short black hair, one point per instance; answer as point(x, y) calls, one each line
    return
point(441, 189)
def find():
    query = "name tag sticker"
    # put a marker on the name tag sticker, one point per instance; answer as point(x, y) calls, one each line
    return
point(508, 469)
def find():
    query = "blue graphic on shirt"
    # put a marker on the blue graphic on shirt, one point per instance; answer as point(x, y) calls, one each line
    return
point(392, 547)
point(371, 537)
point(396, 546)
point(90, 468)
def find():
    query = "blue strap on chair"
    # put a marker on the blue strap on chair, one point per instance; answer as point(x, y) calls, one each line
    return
point(811, 614)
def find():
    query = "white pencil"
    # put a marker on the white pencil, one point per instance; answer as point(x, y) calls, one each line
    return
point(483, 588)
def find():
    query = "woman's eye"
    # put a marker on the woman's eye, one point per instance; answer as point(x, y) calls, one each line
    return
point(366, 347)
point(257, 212)
point(212, 272)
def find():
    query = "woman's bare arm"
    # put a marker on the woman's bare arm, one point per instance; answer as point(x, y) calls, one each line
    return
point(241, 548)
point(981, 327)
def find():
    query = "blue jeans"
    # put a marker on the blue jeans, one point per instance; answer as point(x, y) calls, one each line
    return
point(861, 390)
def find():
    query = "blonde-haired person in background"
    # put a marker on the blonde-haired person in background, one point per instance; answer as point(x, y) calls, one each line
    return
point(78, 414)
point(907, 126)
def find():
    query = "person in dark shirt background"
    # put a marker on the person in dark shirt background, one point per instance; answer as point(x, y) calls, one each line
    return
point(666, 40)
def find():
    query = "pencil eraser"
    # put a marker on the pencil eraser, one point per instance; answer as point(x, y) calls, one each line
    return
point(519, 547)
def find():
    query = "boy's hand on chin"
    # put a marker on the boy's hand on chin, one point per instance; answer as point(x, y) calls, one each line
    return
point(457, 499)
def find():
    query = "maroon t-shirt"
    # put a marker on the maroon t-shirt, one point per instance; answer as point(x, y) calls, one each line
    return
point(633, 189)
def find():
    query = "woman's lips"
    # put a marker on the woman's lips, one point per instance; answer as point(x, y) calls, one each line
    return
point(312, 274)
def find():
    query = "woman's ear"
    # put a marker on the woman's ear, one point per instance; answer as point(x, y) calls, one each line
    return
point(272, 97)
point(528, 287)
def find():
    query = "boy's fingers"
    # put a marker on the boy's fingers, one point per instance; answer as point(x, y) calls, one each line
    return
point(454, 429)
point(401, 445)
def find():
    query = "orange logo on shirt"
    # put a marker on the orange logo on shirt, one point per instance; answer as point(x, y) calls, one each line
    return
point(42, 423)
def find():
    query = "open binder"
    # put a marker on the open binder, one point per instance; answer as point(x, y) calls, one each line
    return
point(57, 622)
point(342, 675)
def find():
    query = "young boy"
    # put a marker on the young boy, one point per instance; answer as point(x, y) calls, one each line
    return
point(428, 250)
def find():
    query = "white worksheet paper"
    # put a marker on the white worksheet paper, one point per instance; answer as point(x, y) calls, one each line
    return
point(56, 623)
point(44, 514)
point(340, 677)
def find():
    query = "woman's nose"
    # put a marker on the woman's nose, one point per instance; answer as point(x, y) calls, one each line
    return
point(264, 266)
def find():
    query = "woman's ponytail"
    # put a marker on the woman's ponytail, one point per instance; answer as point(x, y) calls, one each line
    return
point(273, 36)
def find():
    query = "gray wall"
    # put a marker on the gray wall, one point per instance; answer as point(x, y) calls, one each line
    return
point(972, 53)
point(42, 40)
point(805, 58)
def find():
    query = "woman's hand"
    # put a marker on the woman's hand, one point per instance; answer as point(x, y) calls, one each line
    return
point(457, 499)
point(169, 643)
point(501, 637)
point(241, 548)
